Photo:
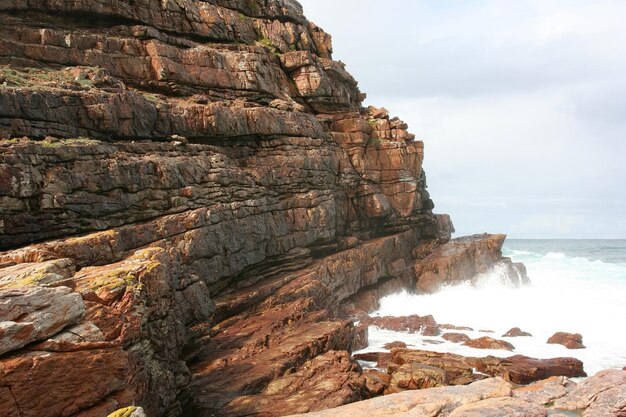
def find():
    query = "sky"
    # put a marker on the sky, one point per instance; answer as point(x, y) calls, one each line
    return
point(521, 104)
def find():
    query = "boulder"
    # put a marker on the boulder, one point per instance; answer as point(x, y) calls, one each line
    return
point(489, 343)
point(569, 340)
point(414, 375)
point(394, 345)
point(376, 381)
point(516, 332)
point(523, 370)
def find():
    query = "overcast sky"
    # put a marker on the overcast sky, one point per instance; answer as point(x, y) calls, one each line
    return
point(521, 104)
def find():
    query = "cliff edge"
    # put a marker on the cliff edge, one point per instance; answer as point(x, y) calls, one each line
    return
point(192, 199)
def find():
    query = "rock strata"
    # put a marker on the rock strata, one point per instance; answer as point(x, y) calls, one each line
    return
point(465, 259)
point(194, 208)
point(36, 313)
point(461, 369)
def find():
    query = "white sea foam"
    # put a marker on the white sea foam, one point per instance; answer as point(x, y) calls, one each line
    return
point(570, 294)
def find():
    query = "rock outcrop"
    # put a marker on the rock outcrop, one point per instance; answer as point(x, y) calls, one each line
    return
point(194, 205)
point(460, 370)
point(465, 259)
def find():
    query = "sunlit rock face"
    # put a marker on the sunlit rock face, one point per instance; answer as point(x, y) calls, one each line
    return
point(192, 196)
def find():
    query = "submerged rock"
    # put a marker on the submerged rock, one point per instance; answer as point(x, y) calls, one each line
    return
point(516, 332)
point(456, 337)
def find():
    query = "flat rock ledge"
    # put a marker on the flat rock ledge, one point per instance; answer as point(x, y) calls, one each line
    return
point(430, 402)
point(602, 395)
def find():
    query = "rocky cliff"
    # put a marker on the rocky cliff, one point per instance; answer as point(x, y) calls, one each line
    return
point(193, 205)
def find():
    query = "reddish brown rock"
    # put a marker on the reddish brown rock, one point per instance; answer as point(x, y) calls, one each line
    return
point(463, 259)
point(456, 370)
point(376, 381)
point(569, 340)
point(516, 332)
point(425, 325)
point(603, 394)
point(394, 345)
point(524, 370)
point(489, 343)
point(421, 402)
point(496, 407)
point(414, 375)
point(456, 337)
point(327, 381)
point(545, 391)
point(206, 181)
point(460, 369)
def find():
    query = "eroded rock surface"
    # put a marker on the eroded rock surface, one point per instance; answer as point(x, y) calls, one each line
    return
point(603, 394)
point(420, 403)
point(464, 259)
point(461, 369)
point(194, 206)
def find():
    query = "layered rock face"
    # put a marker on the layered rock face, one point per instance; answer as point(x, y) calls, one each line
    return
point(192, 202)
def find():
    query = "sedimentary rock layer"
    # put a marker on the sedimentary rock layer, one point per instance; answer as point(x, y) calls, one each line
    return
point(191, 197)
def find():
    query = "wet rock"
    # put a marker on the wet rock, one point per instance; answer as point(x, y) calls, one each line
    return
point(456, 337)
point(394, 345)
point(489, 343)
point(569, 340)
point(463, 259)
point(524, 370)
point(425, 325)
point(516, 332)
point(361, 337)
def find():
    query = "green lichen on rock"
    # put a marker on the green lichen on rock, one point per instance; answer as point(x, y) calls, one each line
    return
point(124, 412)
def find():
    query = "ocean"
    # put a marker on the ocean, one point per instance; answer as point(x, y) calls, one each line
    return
point(577, 286)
